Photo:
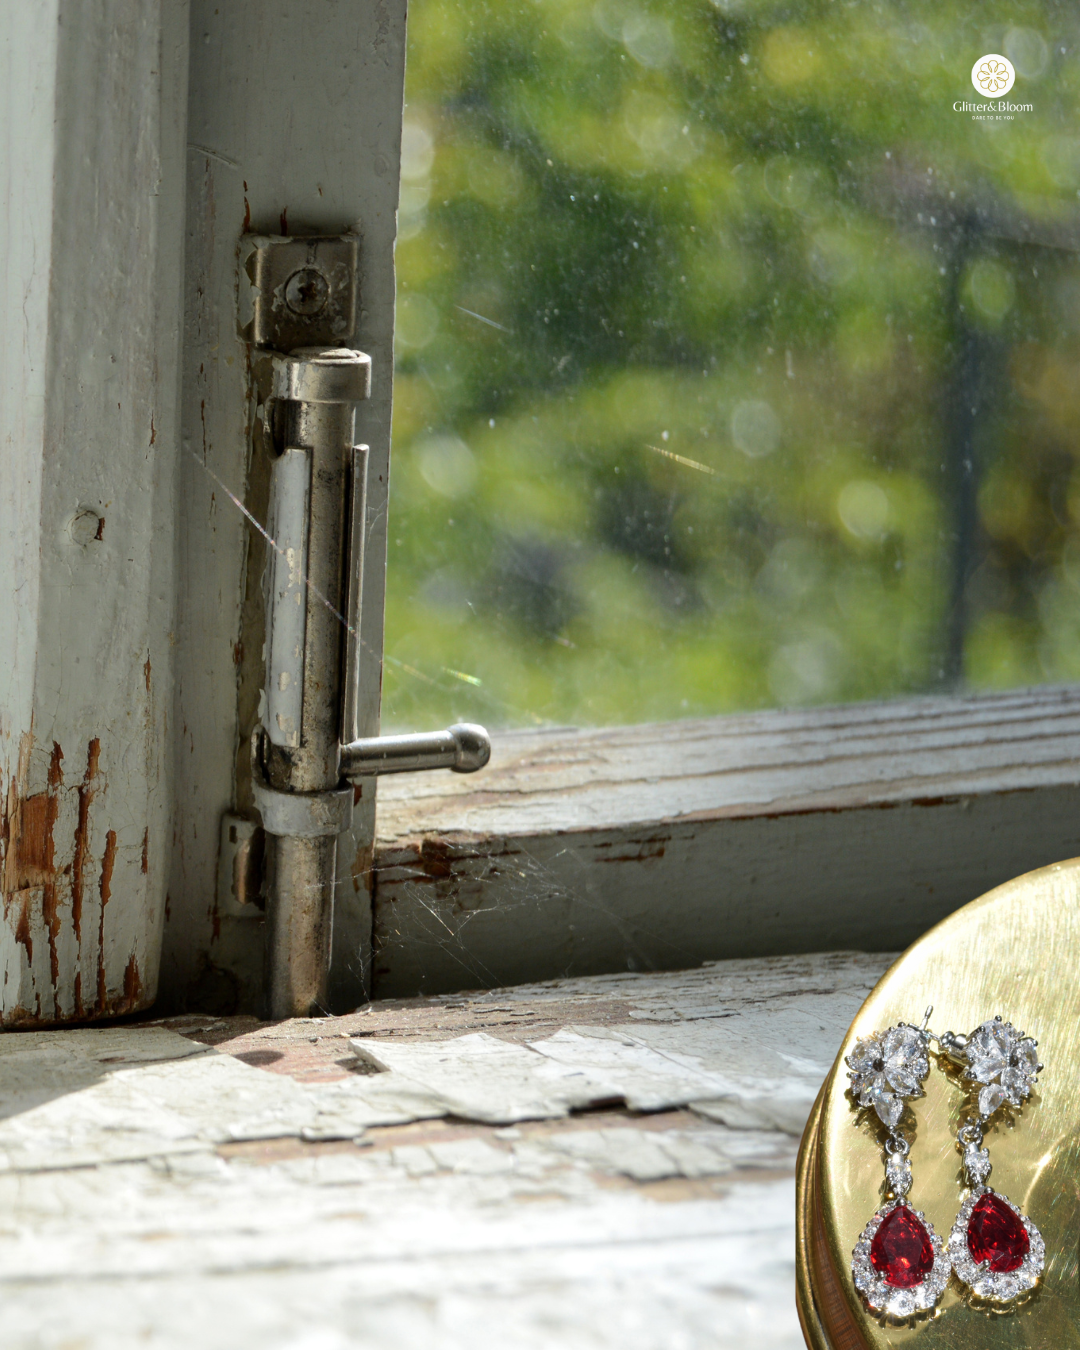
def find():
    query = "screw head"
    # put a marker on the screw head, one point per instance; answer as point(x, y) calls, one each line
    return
point(307, 291)
point(85, 526)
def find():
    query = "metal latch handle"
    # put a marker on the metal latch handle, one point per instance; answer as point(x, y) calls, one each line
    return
point(462, 748)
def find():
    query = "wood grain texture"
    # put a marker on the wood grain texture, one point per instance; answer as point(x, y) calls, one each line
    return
point(654, 847)
point(165, 1193)
point(294, 127)
point(92, 101)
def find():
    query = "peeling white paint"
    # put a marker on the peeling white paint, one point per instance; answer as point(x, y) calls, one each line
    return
point(134, 1219)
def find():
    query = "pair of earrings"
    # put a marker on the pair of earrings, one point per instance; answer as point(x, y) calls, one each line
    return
point(900, 1265)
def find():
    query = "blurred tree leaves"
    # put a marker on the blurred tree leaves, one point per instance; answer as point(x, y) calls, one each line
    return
point(693, 302)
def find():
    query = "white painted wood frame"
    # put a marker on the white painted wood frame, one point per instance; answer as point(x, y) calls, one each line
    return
point(92, 112)
point(131, 612)
point(658, 847)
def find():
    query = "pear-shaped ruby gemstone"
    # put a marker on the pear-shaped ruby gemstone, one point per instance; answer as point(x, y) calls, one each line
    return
point(901, 1252)
point(996, 1235)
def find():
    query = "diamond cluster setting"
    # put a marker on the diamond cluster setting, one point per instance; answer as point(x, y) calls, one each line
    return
point(1005, 1061)
point(1020, 1264)
point(885, 1069)
point(887, 1280)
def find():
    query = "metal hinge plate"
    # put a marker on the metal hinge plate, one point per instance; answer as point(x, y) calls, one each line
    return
point(301, 291)
point(240, 868)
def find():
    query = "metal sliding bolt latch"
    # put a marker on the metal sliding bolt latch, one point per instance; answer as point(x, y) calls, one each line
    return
point(307, 752)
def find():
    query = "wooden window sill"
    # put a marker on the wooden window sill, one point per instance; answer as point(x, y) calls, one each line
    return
point(658, 847)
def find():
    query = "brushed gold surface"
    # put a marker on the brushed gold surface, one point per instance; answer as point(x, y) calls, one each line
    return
point(1014, 951)
point(806, 1172)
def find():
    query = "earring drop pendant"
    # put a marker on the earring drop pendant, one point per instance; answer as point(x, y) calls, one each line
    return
point(900, 1266)
point(995, 1249)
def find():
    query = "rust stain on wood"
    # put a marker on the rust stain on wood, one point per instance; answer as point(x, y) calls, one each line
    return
point(82, 835)
point(49, 907)
point(38, 873)
point(22, 924)
point(108, 862)
point(28, 824)
point(133, 989)
point(640, 850)
point(146, 672)
point(435, 859)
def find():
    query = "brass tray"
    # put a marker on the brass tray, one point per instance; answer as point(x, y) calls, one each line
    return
point(1014, 951)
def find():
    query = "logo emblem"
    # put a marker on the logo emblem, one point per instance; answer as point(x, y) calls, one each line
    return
point(993, 76)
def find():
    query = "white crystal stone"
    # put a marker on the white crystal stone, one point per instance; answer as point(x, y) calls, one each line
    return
point(977, 1162)
point(989, 1049)
point(1025, 1056)
point(898, 1174)
point(906, 1062)
point(865, 1084)
point(863, 1280)
point(902, 1079)
point(990, 1098)
point(905, 1042)
point(1017, 1085)
point(888, 1107)
point(863, 1055)
point(903, 1303)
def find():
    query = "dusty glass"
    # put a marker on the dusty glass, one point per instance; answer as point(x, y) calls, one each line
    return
point(738, 357)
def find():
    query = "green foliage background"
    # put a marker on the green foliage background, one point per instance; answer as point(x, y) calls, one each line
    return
point(692, 298)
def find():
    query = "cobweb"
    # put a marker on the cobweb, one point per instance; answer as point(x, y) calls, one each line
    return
point(503, 918)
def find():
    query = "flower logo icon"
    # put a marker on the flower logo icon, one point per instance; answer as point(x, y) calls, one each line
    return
point(993, 75)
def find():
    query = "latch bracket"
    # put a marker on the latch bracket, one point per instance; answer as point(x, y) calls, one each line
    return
point(300, 292)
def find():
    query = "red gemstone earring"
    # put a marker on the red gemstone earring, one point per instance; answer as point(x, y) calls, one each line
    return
point(899, 1264)
point(996, 1250)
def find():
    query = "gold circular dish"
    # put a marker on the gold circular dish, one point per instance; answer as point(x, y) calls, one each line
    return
point(1015, 951)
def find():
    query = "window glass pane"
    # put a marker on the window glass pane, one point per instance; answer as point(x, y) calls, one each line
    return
point(738, 356)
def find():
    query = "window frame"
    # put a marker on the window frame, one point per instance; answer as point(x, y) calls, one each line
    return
point(504, 877)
